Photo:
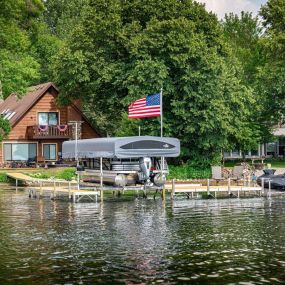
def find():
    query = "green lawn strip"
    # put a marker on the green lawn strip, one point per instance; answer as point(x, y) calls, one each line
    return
point(275, 163)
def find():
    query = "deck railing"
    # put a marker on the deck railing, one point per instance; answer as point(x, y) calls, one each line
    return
point(49, 132)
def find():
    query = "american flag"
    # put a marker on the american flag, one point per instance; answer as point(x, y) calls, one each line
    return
point(148, 106)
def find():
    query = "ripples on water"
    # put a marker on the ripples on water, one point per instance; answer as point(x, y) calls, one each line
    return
point(227, 241)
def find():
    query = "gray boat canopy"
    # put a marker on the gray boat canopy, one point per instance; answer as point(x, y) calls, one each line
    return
point(122, 147)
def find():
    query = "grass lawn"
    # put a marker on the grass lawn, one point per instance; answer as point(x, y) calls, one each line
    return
point(274, 163)
point(66, 173)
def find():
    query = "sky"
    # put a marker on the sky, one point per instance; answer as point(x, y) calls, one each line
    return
point(221, 7)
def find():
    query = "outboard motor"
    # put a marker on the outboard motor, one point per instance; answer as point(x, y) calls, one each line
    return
point(145, 166)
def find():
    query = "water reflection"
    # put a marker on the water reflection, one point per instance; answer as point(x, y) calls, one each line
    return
point(141, 241)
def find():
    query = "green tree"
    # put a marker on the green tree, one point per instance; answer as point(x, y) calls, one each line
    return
point(18, 67)
point(120, 51)
point(243, 35)
point(270, 84)
point(5, 128)
point(62, 15)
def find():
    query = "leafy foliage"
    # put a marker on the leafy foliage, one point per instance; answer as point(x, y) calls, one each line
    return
point(188, 172)
point(18, 67)
point(4, 178)
point(121, 51)
point(223, 82)
point(271, 76)
point(5, 128)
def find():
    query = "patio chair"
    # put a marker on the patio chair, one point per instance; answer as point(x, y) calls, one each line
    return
point(237, 173)
point(217, 173)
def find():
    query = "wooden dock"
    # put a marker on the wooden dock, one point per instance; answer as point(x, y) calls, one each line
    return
point(230, 190)
point(55, 188)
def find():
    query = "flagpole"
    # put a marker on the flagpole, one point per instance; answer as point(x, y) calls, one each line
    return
point(161, 112)
point(161, 131)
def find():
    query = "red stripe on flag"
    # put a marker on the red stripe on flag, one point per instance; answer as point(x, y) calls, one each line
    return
point(138, 109)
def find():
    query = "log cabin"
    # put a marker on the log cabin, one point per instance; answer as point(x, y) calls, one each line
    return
point(40, 126)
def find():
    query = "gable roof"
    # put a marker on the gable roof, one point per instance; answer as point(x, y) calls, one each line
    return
point(14, 108)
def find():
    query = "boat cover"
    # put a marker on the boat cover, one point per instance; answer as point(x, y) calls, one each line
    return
point(122, 147)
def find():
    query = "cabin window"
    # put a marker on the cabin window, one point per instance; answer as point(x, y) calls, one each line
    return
point(20, 151)
point(48, 118)
point(49, 151)
point(271, 148)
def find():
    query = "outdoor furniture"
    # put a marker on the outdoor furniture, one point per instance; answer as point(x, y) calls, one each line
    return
point(217, 173)
point(237, 173)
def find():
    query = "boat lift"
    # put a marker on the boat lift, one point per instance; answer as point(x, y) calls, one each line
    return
point(124, 161)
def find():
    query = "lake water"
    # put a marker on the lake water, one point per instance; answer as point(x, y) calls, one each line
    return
point(138, 241)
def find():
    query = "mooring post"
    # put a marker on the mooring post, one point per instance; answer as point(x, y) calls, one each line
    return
point(208, 187)
point(101, 179)
point(16, 184)
point(229, 186)
point(54, 188)
point(262, 185)
point(163, 192)
point(269, 188)
point(173, 189)
point(69, 193)
point(41, 189)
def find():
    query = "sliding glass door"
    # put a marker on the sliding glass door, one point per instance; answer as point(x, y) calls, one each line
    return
point(49, 151)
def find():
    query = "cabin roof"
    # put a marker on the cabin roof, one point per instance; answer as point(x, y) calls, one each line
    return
point(14, 108)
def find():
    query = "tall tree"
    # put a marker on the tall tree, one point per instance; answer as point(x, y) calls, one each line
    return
point(18, 67)
point(272, 75)
point(243, 34)
point(122, 50)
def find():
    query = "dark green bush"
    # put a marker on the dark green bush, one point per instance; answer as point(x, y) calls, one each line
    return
point(4, 178)
point(67, 174)
point(188, 172)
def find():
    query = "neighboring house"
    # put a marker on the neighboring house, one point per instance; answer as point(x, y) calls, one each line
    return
point(39, 126)
point(272, 149)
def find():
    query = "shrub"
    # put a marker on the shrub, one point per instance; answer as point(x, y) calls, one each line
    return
point(188, 172)
point(67, 174)
point(39, 175)
point(4, 178)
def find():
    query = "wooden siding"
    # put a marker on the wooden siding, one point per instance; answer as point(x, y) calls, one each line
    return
point(47, 104)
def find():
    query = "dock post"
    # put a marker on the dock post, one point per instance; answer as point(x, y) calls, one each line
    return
point(208, 187)
point(163, 193)
point(16, 184)
point(173, 189)
point(238, 192)
point(69, 193)
point(229, 186)
point(41, 189)
point(101, 179)
point(262, 185)
point(54, 188)
point(269, 189)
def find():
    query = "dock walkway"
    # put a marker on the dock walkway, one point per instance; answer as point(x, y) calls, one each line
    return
point(55, 188)
point(229, 190)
